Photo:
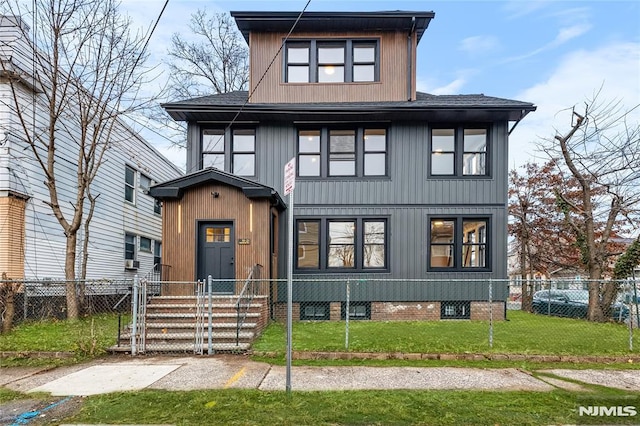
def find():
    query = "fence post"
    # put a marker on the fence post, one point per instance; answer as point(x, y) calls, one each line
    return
point(491, 312)
point(346, 317)
point(134, 312)
point(210, 323)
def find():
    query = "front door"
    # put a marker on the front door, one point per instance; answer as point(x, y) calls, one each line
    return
point(216, 255)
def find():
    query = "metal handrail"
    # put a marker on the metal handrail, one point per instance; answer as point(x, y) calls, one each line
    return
point(247, 293)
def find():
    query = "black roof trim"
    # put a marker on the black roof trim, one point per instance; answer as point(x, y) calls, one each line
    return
point(175, 188)
point(394, 20)
point(224, 107)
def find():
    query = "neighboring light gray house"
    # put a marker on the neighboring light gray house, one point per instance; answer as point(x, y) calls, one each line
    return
point(125, 232)
point(392, 185)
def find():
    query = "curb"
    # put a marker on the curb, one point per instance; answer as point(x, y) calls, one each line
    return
point(300, 355)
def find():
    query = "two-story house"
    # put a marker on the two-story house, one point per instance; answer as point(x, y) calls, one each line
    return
point(124, 236)
point(402, 193)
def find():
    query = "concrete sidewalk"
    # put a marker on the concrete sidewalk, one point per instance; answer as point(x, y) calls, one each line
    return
point(116, 374)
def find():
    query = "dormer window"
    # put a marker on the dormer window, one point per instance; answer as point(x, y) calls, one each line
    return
point(332, 61)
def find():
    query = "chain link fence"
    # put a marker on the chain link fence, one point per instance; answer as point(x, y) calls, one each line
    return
point(347, 314)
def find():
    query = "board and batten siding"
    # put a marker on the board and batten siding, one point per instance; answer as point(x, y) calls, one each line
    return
point(408, 182)
point(251, 220)
point(392, 85)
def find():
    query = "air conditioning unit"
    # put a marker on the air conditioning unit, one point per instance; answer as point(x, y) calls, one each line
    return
point(131, 264)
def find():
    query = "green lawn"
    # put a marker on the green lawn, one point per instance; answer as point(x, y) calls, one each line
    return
point(253, 407)
point(88, 336)
point(523, 333)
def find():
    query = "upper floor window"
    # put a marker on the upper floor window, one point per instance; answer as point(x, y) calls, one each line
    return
point(331, 61)
point(129, 184)
point(458, 243)
point(342, 152)
point(459, 151)
point(213, 148)
point(231, 151)
point(339, 244)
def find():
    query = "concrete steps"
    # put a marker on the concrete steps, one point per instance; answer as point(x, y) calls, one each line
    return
point(170, 325)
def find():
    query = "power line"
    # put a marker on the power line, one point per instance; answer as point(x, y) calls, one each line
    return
point(284, 41)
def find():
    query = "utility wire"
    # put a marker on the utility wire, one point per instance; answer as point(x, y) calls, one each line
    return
point(284, 41)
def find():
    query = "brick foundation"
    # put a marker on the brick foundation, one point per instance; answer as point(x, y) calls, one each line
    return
point(400, 311)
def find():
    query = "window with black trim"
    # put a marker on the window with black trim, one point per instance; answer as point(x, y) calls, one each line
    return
point(332, 61)
point(243, 158)
point(458, 243)
point(342, 244)
point(459, 151)
point(157, 206)
point(157, 255)
point(455, 310)
point(231, 151)
point(357, 310)
point(315, 311)
point(356, 152)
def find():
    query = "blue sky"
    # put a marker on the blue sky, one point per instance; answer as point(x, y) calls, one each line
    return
point(555, 54)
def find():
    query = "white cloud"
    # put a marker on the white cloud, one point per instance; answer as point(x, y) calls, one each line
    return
point(564, 35)
point(579, 75)
point(452, 88)
point(479, 45)
point(518, 8)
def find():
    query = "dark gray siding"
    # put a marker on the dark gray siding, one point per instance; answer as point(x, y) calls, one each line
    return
point(406, 197)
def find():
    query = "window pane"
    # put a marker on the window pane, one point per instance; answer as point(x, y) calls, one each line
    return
point(474, 243)
point(218, 235)
point(375, 140)
point(375, 164)
point(442, 140)
point(442, 164)
point(309, 165)
point(475, 140)
point(298, 55)
point(330, 74)
point(374, 244)
point(343, 141)
point(213, 140)
point(145, 244)
point(309, 141)
point(331, 55)
point(442, 240)
point(308, 244)
point(474, 164)
point(129, 176)
point(341, 244)
point(342, 165)
point(244, 141)
point(129, 246)
point(297, 74)
point(364, 73)
point(244, 164)
point(342, 156)
point(364, 54)
point(145, 182)
point(128, 193)
point(213, 160)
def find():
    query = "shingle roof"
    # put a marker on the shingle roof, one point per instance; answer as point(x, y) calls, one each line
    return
point(239, 98)
point(175, 188)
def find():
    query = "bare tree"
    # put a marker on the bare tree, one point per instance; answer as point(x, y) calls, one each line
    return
point(85, 74)
point(212, 59)
point(216, 61)
point(601, 151)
